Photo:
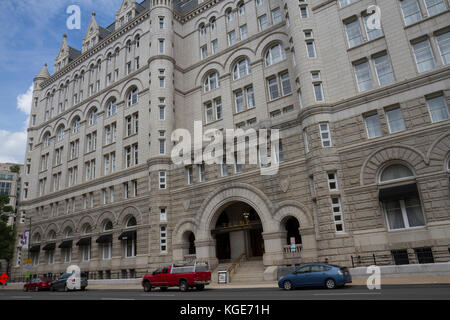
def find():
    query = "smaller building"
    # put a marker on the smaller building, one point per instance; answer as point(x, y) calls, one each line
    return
point(10, 184)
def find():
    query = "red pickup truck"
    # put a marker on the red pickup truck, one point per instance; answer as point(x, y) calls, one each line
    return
point(182, 275)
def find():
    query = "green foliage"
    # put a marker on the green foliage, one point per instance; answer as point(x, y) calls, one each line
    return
point(15, 168)
point(7, 234)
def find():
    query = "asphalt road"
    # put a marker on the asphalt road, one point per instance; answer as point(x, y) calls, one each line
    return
point(387, 292)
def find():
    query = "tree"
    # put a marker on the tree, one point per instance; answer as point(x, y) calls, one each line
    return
point(15, 168)
point(7, 233)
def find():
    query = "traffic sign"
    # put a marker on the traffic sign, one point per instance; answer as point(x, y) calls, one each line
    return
point(3, 278)
point(28, 261)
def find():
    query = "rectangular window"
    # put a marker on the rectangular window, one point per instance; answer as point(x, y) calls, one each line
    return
point(231, 38)
point(162, 146)
point(435, 6)
point(163, 239)
point(395, 120)
point(343, 3)
point(371, 33)
point(443, 41)
point(353, 31)
point(272, 85)
point(373, 126)
point(423, 56)
point(332, 181)
point(189, 175)
point(162, 214)
point(161, 22)
point(318, 92)
point(106, 250)
point(161, 46)
point(285, 83)
point(239, 101)
point(201, 173)
point(363, 76)
point(237, 166)
point(276, 16)
point(404, 213)
point(337, 214)
point(304, 13)
point(162, 113)
point(204, 52)
point(111, 194)
point(411, 11)
point(250, 97)
point(438, 109)
point(214, 46)
point(383, 69)
point(244, 32)
point(325, 135)
point(209, 114)
point(424, 255)
point(218, 105)
point(162, 179)
point(263, 22)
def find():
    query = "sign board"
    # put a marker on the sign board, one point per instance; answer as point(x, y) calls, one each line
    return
point(293, 247)
point(3, 278)
point(223, 276)
point(27, 275)
point(25, 237)
point(28, 261)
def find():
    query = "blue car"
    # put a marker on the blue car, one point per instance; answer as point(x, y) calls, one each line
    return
point(316, 275)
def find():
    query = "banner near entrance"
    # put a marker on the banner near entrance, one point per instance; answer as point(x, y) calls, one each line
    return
point(25, 237)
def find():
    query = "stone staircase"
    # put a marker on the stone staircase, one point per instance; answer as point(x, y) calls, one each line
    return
point(247, 271)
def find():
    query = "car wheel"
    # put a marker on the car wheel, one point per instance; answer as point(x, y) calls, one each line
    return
point(183, 286)
point(287, 285)
point(52, 289)
point(147, 286)
point(330, 284)
point(36, 289)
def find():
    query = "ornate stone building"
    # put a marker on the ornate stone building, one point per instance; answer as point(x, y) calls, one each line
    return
point(362, 112)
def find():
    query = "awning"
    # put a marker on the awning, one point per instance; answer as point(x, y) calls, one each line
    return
point(35, 248)
point(84, 242)
point(49, 246)
point(398, 192)
point(128, 235)
point(104, 238)
point(65, 244)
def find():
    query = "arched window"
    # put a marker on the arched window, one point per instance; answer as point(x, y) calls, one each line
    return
point(241, 69)
point(68, 232)
point(131, 222)
point(99, 65)
point(87, 229)
point(60, 133)
point(229, 14)
point(133, 97)
point(213, 23)
point(36, 238)
point(116, 54)
point(241, 8)
point(192, 249)
point(108, 226)
point(275, 54)
point(46, 140)
point(211, 81)
point(76, 124)
point(129, 45)
point(202, 29)
point(108, 58)
point(111, 108)
point(51, 235)
point(137, 40)
point(93, 117)
point(394, 172)
point(448, 164)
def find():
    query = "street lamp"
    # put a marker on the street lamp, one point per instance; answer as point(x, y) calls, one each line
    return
point(246, 215)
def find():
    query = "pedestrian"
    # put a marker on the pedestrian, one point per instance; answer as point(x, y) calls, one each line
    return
point(326, 260)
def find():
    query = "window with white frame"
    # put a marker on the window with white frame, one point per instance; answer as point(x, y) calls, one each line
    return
point(243, 31)
point(163, 239)
point(211, 81)
point(304, 12)
point(189, 175)
point(318, 91)
point(325, 134)
point(373, 33)
point(373, 126)
point(93, 117)
point(363, 76)
point(111, 108)
point(395, 120)
point(201, 172)
point(411, 11)
point(107, 250)
point(276, 16)
point(383, 69)
point(229, 14)
point(275, 54)
point(162, 179)
point(343, 3)
point(438, 108)
point(337, 214)
point(241, 69)
point(214, 46)
point(353, 31)
point(423, 55)
point(231, 38)
point(163, 214)
point(435, 6)
point(310, 49)
point(161, 46)
point(263, 22)
point(443, 42)
point(203, 52)
point(332, 180)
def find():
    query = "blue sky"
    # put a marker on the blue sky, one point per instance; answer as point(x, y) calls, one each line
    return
point(31, 32)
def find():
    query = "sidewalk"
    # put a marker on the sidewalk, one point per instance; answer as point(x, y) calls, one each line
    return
point(265, 284)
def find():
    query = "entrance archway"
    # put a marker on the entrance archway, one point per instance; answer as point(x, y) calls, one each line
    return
point(292, 227)
point(237, 230)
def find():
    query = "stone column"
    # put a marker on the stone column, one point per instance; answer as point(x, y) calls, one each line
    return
point(273, 247)
point(309, 243)
point(206, 251)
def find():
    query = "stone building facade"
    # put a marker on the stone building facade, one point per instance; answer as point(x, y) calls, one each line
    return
point(363, 117)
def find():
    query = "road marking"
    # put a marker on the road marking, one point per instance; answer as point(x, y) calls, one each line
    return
point(21, 297)
point(347, 293)
point(157, 295)
point(116, 299)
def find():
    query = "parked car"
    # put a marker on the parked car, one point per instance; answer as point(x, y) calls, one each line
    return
point(61, 283)
point(318, 275)
point(36, 285)
point(182, 275)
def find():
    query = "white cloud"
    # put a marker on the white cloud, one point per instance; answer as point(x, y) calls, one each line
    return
point(13, 144)
point(24, 101)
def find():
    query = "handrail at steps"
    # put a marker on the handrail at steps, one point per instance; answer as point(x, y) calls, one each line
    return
point(234, 265)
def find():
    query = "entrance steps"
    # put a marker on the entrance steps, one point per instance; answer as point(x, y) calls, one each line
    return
point(248, 271)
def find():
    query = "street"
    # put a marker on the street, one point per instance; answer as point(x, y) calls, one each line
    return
point(387, 292)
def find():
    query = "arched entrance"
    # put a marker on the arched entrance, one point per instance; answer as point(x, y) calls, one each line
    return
point(237, 230)
point(292, 227)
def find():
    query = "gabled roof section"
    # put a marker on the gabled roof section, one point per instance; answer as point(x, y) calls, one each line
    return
point(94, 34)
point(126, 13)
point(66, 55)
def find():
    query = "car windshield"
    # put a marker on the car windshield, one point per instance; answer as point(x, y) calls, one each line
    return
point(65, 276)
